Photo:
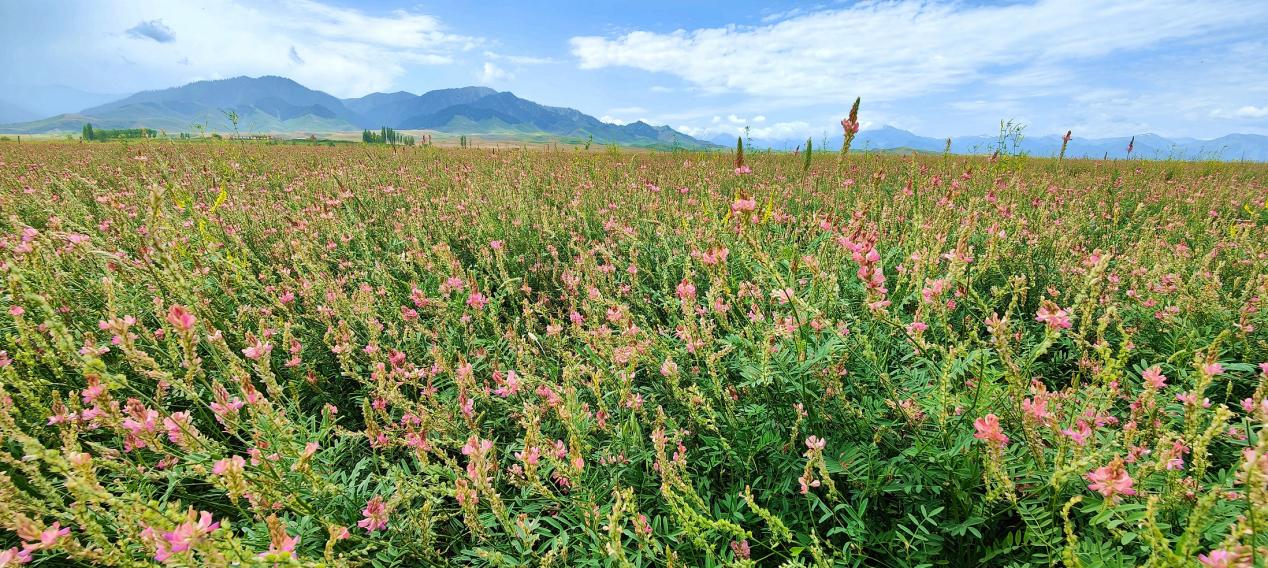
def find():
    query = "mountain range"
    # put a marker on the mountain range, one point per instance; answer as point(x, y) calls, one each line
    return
point(279, 105)
point(270, 104)
point(1232, 147)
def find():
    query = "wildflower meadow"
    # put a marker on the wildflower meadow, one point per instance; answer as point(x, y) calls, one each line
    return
point(232, 353)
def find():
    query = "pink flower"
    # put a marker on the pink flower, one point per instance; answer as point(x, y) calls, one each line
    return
point(1081, 435)
point(1054, 316)
point(477, 300)
point(669, 368)
point(1221, 558)
point(509, 386)
point(257, 349)
point(13, 557)
point(233, 464)
point(180, 318)
point(989, 431)
point(1191, 399)
point(1175, 457)
point(642, 525)
point(1111, 480)
point(48, 537)
point(816, 443)
point(143, 423)
point(1154, 378)
point(741, 204)
point(177, 426)
point(1036, 409)
point(185, 535)
point(686, 290)
point(495, 245)
point(530, 456)
point(16, 311)
point(376, 515)
point(744, 169)
point(281, 550)
point(1213, 369)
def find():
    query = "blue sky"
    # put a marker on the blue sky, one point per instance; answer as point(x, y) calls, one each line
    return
point(784, 69)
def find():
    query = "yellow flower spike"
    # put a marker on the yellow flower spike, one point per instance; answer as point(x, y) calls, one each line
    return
point(220, 199)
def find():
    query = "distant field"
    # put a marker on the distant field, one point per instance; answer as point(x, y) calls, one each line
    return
point(439, 139)
point(224, 353)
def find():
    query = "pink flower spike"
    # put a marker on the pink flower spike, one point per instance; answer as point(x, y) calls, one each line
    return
point(1111, 480)
point(1220, 558)
point(376, 515)
point(181, 318)
point(1056, 318)
point(477, 300)
point(1154, 378)
point(989, 431)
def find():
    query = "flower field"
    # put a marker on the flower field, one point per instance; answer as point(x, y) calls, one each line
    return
point(235, 354)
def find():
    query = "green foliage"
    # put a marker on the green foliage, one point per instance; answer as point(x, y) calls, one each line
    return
point(89, 133)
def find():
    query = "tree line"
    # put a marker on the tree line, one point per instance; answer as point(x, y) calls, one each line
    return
point(90, 133)
point(386, 135)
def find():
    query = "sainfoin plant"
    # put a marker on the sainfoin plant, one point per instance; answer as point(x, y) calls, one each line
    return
point(239, 354)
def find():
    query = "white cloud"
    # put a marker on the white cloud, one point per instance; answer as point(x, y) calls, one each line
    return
point(492, 74)
point(893, 50)
point(614, 115)
point(1248, 111)
point(777, 131)
point(1252, 112)
point(344, 51)
point(518, 59)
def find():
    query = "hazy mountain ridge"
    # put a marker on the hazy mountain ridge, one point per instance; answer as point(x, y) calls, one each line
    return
point(1252, 147)
point(273, 104)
